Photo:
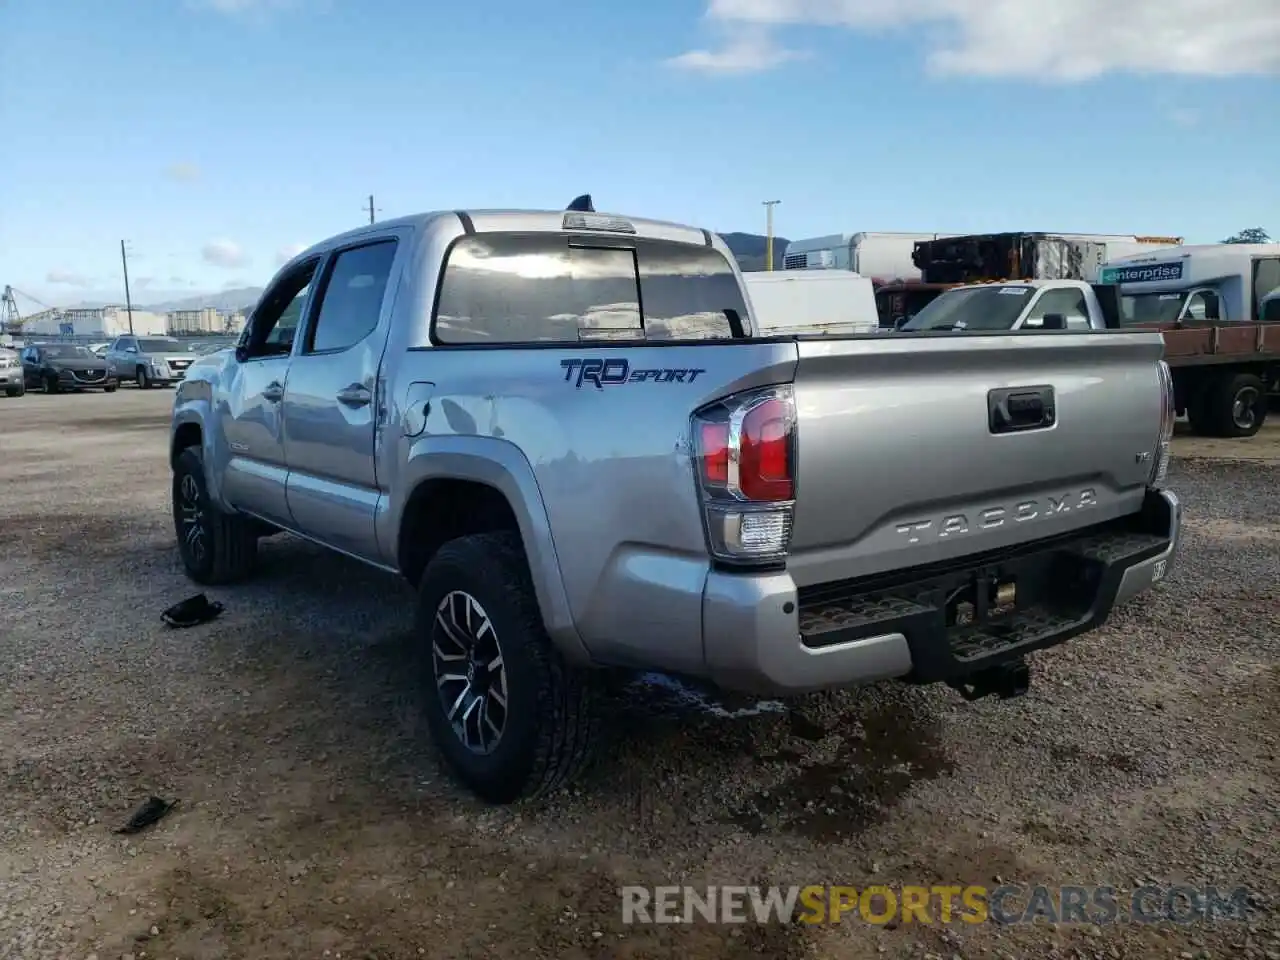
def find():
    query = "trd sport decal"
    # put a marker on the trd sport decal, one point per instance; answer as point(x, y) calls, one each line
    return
point(602, 373)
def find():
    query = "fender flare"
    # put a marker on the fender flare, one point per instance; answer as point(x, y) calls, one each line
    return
point(501, 465)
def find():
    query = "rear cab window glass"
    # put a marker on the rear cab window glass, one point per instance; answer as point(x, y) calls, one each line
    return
point(551, 288)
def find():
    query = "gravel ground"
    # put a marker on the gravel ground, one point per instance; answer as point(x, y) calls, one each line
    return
point(314, 820)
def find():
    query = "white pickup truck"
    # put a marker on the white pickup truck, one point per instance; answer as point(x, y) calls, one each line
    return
point(1020, 305)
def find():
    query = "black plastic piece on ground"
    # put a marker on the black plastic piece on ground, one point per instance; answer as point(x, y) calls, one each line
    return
point(151, 810)
point(192, 612)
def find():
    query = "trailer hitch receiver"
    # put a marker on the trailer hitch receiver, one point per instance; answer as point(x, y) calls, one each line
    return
point(1006, 681)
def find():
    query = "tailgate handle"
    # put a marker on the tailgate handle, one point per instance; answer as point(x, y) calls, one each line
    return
point(1014, 409)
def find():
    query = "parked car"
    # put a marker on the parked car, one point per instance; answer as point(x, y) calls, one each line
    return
point(148, 361)
point(55, 367)
point(565, 430)
point(11, 373)
point(100, 349)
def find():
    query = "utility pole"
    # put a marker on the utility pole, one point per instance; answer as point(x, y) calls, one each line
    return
point(371, 209)
point(128, 301)
point(768, 237)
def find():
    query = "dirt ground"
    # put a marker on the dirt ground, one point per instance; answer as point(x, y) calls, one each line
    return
point(313, 819)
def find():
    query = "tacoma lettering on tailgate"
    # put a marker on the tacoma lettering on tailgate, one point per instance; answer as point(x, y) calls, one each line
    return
point(958, 524)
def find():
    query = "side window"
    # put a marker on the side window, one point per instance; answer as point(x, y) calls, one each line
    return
point(502, 288)
point(1202, 306)
point(685, 291)
point(276, 317)
point(1068, 301)
point(351, 297)
point(1266, 280)
point(1271, 308)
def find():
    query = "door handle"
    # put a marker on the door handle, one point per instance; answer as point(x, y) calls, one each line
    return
point(272, 392)
point(356, 395)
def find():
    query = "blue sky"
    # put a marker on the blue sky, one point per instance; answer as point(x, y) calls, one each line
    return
point(217, 135)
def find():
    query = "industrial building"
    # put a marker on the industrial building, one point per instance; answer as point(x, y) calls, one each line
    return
point(206, 320)
point(105, 322)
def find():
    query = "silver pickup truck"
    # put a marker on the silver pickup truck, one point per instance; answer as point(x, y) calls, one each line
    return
point(562, 428)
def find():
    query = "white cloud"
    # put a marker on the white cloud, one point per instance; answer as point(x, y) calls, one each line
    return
point(288, 252)
point(1063, 40)
point(68, 278)
point(747, 49)
point(182, 172)
point(224, 253)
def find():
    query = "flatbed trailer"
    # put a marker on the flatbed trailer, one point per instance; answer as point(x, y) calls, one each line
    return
point(1217, 308)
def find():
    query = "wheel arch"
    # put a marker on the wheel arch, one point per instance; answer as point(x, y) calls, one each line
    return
point(454, 486)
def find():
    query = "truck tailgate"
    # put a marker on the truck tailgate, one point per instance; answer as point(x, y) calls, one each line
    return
point(899, 465)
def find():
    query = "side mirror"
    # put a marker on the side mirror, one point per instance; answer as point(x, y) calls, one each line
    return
point(1055, 321)
point(242, 353)
point(900, 323)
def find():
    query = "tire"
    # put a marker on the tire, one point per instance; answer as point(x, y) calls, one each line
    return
point(551, 716)
point(142, 378)
point(17, 391)
point(1236, 405)
point(109, 389)
point(50, 383)
point(226, 547)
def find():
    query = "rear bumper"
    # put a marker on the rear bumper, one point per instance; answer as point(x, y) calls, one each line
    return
point(762, 635)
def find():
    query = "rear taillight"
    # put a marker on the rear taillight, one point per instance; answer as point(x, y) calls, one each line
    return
point(1168, 414)
point(745, 457)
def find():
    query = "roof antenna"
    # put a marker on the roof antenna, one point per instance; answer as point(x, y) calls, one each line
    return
point(582, 204)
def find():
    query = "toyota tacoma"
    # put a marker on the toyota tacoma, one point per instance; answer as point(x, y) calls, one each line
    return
point(565, 431)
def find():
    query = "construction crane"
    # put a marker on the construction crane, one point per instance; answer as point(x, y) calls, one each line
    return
point(10, 317)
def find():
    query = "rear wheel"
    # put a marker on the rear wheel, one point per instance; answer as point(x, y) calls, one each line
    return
point(511, 717)
point(1236, 405)
point(216, 547)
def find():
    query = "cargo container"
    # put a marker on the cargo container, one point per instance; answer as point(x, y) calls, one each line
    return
point(809, 302)
point(881, 257)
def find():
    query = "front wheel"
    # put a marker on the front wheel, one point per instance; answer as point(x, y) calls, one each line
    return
point(110, 389)
point(16, 390)
point(511, 717)
point(143, 379)
point(215, 547)
point(50, 383)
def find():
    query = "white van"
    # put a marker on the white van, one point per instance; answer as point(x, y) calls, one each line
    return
point(812, 301)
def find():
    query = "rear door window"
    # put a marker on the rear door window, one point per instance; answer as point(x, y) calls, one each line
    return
point(548, 288)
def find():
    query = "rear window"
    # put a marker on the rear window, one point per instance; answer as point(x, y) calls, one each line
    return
point(548, 288)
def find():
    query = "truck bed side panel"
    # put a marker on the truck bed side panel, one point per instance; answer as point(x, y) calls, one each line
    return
point(898, 466)
point(613, 467)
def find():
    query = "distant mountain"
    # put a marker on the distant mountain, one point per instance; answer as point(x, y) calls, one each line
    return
point(749, 250)
point(228, 301)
